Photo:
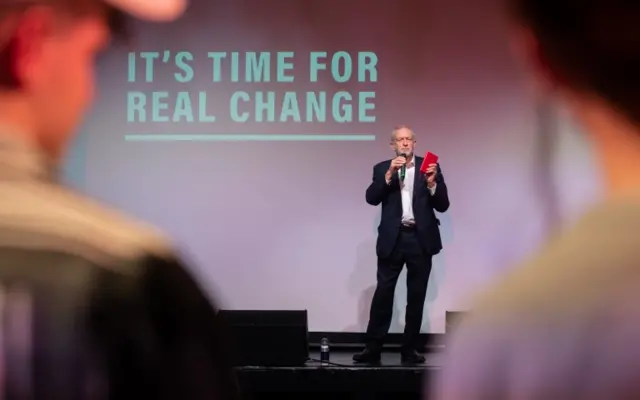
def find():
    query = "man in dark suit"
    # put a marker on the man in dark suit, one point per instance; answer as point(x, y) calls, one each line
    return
point(408, 234)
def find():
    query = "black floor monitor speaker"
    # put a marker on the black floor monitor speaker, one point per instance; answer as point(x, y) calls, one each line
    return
point(268, 338)
point(452, 319)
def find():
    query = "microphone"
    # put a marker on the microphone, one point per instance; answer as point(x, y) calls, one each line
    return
point(403, 170)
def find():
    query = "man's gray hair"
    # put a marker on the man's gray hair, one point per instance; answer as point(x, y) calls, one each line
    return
point(397, 128)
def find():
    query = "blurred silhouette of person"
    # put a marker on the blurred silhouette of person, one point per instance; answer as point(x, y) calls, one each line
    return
point(565, 324)
point(93, 305)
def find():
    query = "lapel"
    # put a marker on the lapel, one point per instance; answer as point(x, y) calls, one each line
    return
point(418, 180)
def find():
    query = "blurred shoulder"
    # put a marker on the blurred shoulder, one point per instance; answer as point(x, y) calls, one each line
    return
point(48, 217)
point(583, 275)
point(589, 259)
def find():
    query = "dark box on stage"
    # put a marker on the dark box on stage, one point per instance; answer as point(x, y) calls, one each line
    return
point(268, 338)
point(452, 319)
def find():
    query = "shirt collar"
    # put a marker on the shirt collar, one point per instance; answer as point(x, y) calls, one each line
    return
point(20, 160)
point(412, 160)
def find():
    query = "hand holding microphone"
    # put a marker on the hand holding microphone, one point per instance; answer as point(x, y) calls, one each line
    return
point(397, 163)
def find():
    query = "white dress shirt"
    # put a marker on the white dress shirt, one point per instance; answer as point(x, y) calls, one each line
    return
point(406, 192)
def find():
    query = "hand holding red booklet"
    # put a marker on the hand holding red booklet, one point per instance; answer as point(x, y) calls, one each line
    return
point(429, 158)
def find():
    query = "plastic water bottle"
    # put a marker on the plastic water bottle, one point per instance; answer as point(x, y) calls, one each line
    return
point(324, 350)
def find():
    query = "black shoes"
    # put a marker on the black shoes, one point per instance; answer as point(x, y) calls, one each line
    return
point(371, 356)
point(368, 356)
point(411, 357)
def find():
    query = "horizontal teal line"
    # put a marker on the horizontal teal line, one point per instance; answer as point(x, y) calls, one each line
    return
point(240, 137)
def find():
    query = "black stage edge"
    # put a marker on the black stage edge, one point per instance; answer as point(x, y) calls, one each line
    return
point(341, 379)
point(355, 340)
point(276, 355)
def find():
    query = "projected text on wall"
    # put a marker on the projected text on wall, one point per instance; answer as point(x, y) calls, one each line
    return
point(318, 69)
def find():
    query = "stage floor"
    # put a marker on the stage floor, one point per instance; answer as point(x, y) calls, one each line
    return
point(342, 359)
point(342, 375)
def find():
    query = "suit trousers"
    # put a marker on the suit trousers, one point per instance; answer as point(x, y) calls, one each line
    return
point(409, 252)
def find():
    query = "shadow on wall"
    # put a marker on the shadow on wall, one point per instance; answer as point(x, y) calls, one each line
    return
point(438, 276)
point(365, 271)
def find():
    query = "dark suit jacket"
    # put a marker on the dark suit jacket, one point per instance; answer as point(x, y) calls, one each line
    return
point(424, 204)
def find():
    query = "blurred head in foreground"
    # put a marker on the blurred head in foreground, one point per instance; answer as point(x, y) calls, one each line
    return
point(564, 324)
point(93, 304)
point(48, 50)
point(587, 55)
